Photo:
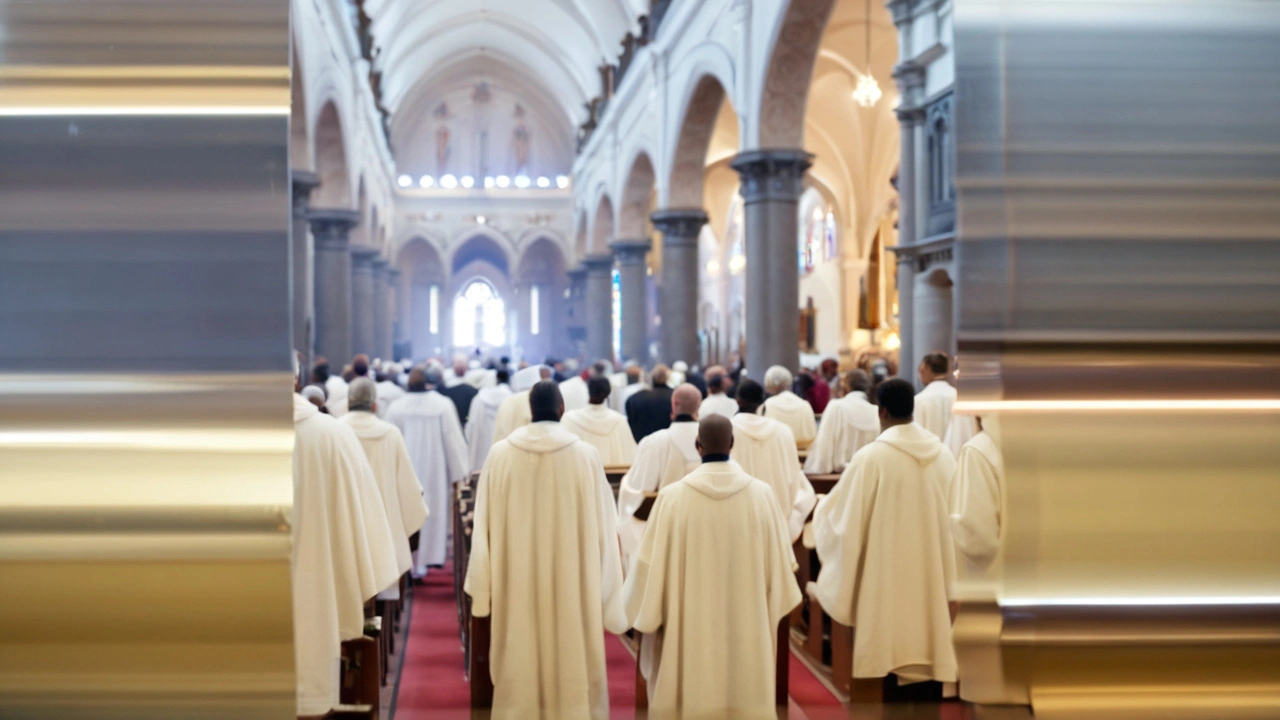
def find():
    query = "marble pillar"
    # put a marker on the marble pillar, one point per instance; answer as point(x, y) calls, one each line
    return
point(599, 307)
point(381, 309)
point(363, 315)
point(772, 181)
point(575, 324)
point(910, 80)
point(678, 304)
point(394, 302)
point(331, 230)
point(302, 261)
point(632, 273)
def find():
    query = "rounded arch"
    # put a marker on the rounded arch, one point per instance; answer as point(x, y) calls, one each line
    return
point(331, 160)
point(299, 139)
point(485, 245)
point(542, 261)
point(602, 226)
point(784, 96)
point(706, 101)
point(580, 235)
point(637, 198)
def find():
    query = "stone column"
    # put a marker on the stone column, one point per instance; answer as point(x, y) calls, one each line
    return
point(679, 299)
point(363, 316)
point(772, 181)
point(910, 79)
point(576, 322)
point(381, 309)
point(331, 230)
point(599, 307)
point(302, 261)
point(630, 258)
point(395, 323)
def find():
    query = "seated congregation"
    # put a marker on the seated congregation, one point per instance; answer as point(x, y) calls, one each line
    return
point(690, 518)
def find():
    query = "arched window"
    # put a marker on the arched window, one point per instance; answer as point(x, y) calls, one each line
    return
point(812, 242)
point(479, 316)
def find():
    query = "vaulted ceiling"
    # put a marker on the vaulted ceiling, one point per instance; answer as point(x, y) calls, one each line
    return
point(547, 51)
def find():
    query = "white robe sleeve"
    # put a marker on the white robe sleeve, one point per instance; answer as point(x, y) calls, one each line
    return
point(644, 476)
point(803, 500)
point(975, 504)
point(613, 610)
point(960, 430)
point(840, 533)
point(478, 583)
point(783, 592)
point(825, 450)
point(413, 508)
point(458, 462)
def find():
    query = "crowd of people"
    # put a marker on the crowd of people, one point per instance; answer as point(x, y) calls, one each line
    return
point(695, 553)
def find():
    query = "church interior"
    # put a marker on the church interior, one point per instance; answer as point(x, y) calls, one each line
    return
point(944, 332)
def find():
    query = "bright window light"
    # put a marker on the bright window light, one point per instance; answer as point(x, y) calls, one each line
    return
point(522, 181)
point(503, 181)
point(468, 181)
point(404, 181)
point(534, 325)
point(480, 219)
point(448, 182)
point(544, 182)
point(434, 309)
point(488, 182)
point(562, 181)
point(426, 181)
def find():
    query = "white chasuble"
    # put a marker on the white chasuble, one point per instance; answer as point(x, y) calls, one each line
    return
point(388, 392)
point(933, 407)
point(544, 566)
point(847, 425)
point(888, 559)
point(795, 412)
point(960, 430)
point(766, 450)
point(343, 550)
point(977, 500)
point(606, 431)
point(662, 458)
point(513, 412)
point(714, 576)
point(433, 435)
point(397, 482)
point(574, 393)
point(718, 404)
point(482, 421)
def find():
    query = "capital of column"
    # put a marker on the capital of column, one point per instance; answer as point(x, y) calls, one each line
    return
point(381, 265)
point(363, 259)
point(598, 264)
point(630, 252)
point(303, 183)
point(577, 275)
point(910, 78)
point(772, 174)
point(332, 228)
point(393, 274)
point(679, 225)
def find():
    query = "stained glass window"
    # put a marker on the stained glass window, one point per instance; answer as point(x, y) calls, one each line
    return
point(832, 244)
point(811, 243)
point(733, 237)
point(479, 316)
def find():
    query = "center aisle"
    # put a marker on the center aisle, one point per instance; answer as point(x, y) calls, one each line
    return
point(433, 685)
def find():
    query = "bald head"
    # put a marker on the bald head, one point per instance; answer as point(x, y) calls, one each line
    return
point(715, 435)
point(545, 402)
point(685, 400)
point(544, 372)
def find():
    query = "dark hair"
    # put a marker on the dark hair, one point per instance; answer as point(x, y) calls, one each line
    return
point(417, 380)
point(503, 377)
point(433, 377)
point(320, 373)
point(750, 393)
point(360, 367)
point(599, 388)
point(938, 363)
point(545, 401)
point(897, 397)
point(715, 382)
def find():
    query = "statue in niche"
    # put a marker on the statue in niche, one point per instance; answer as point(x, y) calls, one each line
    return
point(444, 147)
point(520, 140)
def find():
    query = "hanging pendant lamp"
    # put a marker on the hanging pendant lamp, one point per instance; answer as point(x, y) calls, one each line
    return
point(867, 92)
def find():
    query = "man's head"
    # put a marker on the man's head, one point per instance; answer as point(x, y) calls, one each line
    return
point(599, 388)
point(715, 383)
point(857, 381)
point(360, 365)
point(633, 374)
point(685, 400)
point(433, 378)
point(362, 396)
point(661, 375)
point(545, 402)
point(459, 365)
point(897, 400)
point(601, 369)
point(544, 372)
point(320, 372)
point(750, 396)
point(348, 374)
point(418, 379)
point(715, 435)
point(935, 366)
point(390, 371)
point(314, 394)
point(829, 369)
point(777, 379)
point(503, 377)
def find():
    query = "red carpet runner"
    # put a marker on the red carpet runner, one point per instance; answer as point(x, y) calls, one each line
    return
point(434, 687)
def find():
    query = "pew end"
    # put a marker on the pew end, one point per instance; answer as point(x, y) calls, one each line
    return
point(478, 664)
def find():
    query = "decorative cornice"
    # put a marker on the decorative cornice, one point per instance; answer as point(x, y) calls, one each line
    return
point(679, 225)
point(630, 252)
point(596, 264)
point(772, 174)
point(332, 228)
point(302, 183)
point(362, 259)
point(381, 265)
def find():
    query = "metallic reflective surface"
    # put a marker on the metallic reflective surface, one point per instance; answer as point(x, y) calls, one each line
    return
point(1118, 305)
point(145, 435)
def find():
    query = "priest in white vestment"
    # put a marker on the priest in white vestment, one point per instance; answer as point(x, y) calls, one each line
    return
point(600, 427)
point(766, 449)
point(662, 458)
point(934, 403)
point(717, 402)
point(514, 411)
point(343, 551)
point(888, 558)
point(714, 576)
point(483, 417)
point(788, 408)
point(634, 384)
point(544, 566)
point(397, 482)
point(433, 434)
point(574, 389)
point(960, 431)
point(337, 389)
point(977, 499)
point(848, 424)
point(389, 389)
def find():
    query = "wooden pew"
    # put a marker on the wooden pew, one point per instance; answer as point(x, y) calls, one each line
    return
point(361, 689)
point(782, 668)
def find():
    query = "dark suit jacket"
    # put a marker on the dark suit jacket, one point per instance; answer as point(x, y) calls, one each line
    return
point(649, 411)
point(461, 394)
